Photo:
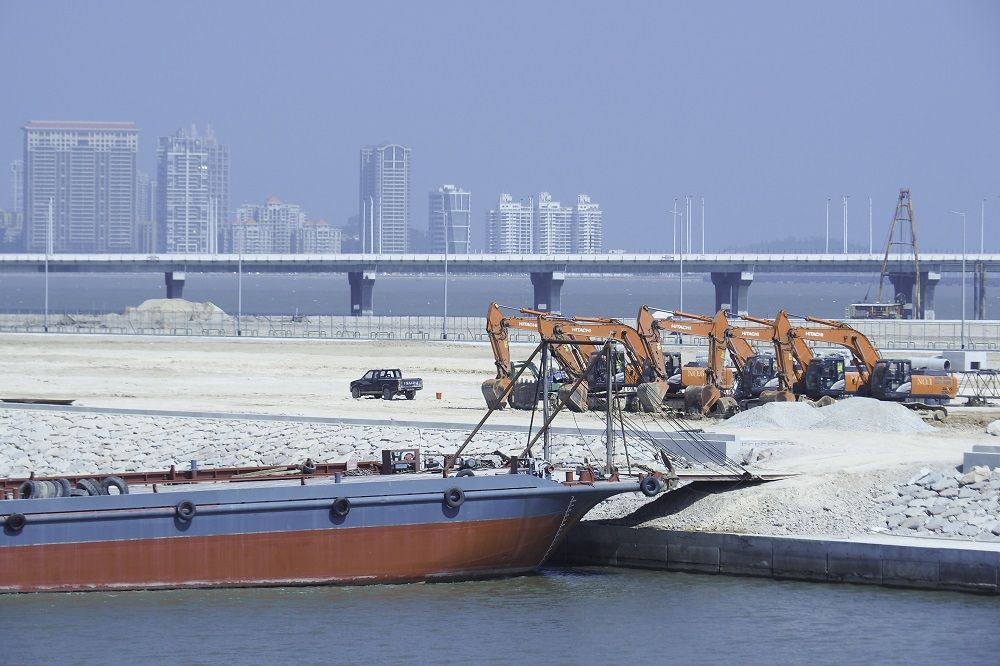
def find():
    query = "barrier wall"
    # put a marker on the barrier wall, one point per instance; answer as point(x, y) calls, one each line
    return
point(896, 562)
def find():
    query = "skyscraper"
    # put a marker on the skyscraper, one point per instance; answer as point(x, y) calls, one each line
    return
point(385, 198)
point(552, 226)
point(509, 227)
point(145, 213)
point(87, 171)
point(192, 175)
point(449, 217)
point(17, 186)
point(277, 221)
point(588, 225)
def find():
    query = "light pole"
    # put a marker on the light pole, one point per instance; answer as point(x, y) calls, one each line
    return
point(444, 323)
point(982, 225)
point(827, 251)
point(48, 251)
point(869, 225)
point(846, 197)
point(703, 225)
point(239, 282)
point(955, 212)
point(675, 226)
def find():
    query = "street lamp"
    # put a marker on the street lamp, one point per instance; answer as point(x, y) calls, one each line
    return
point(239, 282)
point(48, 251)
point(444, 323)
point(955, 212)
point(846, 197)
point(827, 226)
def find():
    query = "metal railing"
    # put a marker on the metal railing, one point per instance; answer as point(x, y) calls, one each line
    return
point(887, 334)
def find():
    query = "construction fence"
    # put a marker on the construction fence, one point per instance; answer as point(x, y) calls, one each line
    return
point(887, 334)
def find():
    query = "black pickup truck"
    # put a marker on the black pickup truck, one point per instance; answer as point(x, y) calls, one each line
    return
point(386, 383)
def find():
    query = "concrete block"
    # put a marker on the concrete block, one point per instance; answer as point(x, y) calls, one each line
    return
point(747, 555)
point(799, 559)
point(977, 459)
point(854, 568)
point(968, 577)
point(642, 554)
point(985, 448)
point(706, 448)
point(909, 573)
point(691, 551)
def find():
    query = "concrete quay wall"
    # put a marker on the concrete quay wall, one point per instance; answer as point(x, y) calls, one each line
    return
point(874, 560)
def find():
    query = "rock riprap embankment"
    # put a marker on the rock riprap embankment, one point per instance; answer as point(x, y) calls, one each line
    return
point(946, 504)
point(54, 442)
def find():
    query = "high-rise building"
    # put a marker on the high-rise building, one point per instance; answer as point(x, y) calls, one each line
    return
point(86, 170)
point(553, 226)
point(509, 226)
point(449, 217)
point(145, 213)
point(318, 237)
point(385, 198)
point(192, 178)
point(588, 225)
point(17, 186)
point(278, 222)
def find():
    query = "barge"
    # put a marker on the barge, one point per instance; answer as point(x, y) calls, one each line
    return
point(334, 530)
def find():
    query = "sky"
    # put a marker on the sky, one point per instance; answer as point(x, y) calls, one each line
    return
point(765, 109)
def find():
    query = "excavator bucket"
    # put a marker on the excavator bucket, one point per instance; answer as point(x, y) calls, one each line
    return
point(700, 399)
point(575, 400)
point(524, 395)
point(492, 390)
point(649, 395)
point(775, 395)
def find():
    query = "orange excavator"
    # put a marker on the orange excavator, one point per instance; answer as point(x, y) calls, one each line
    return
point(638, 363)
point(524, 396)
point(707, 388)
point(915, 382)
point(791, 356)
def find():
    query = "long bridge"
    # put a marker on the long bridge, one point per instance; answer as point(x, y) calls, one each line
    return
point(731, 274)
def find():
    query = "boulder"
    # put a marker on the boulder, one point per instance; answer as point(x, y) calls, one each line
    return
point(993, 428)
point(943, 483)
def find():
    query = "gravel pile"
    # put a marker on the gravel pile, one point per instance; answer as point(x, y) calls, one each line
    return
point(945, 504)
point(870, 415)
point(56, 442)
point(776, 416)
point(838, 504)
point(854, 414)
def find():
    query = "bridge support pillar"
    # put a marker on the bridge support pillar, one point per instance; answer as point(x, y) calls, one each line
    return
point(928, 285)
point(902, 289)
point(175, 283)
point(547, 287)
point(732, 290)
point(979, 291)
point(362, 284)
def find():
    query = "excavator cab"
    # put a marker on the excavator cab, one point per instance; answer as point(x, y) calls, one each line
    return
point(597, 376)
point(897, 379)
point(825, 377)
point(758, 371)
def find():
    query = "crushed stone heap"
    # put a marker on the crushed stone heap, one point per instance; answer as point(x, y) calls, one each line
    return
point(854, 414)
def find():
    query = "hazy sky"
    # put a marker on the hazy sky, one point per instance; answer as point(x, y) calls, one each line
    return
point(763, 108)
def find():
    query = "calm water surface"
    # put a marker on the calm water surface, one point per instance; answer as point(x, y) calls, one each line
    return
point(588, 616)
point(467, 296)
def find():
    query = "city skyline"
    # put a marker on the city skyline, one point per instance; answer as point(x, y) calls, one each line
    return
point(797, 103)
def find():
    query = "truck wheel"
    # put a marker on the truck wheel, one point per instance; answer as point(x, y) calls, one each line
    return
point(410, 395)
point(387, 393)
point(355, 393)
